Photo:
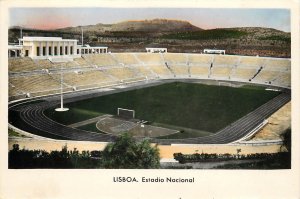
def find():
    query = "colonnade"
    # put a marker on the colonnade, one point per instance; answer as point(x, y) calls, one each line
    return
point(54, 48)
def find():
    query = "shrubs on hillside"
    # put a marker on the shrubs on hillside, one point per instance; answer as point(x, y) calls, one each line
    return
point(21, 159)
point(204, 157)
point(124, 153)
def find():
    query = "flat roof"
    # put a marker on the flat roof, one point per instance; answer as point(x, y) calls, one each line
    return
point(46, 39)
point(15, 47)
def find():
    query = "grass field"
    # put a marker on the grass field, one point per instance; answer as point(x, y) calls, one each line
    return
point(90, 127)
point(196, 106)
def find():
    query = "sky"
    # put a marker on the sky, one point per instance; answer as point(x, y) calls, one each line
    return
point(206, 18)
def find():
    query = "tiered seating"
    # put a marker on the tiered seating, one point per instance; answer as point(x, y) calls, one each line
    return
point(131, 67)
point(222, 66)
point(13, 91)
point(199, 71)
point(284, 79)
point(100, 59)
point(251, 62)
point(81, 62)
point(180, 70)
point(244, 74)
point(69, 64)
point(144, 71)
point(122, 73)
point(199, 65)
point(175, 58)
point(278, 64)
point(85, 79)
point(247, 67)
point(22, 64)
point(265, 76)
point(36, 83)
point(161, 70)
point(221, 72)
point(125, 58)
point(44, 63)
point(225, 60)
point(150, 58)
point(199, 59)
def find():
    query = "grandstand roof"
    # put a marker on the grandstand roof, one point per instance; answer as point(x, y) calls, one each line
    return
point(46, 39)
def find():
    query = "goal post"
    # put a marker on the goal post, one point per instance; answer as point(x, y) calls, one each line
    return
point(126, 113)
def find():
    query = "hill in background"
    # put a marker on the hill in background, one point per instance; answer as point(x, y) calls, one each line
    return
point(176, 35)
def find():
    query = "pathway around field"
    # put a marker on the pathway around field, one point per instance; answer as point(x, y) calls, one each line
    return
point(204, 165)
point(89, 121)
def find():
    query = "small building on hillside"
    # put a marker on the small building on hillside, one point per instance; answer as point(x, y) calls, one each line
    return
point(156, 50)
point(214, 51)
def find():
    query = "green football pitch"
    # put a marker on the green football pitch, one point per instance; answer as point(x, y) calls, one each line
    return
point(202, 107)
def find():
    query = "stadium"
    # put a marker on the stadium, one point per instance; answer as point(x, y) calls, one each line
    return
point(168, 98)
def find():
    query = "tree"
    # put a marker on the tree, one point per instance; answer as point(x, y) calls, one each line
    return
point(126, 153)
point(286, 140)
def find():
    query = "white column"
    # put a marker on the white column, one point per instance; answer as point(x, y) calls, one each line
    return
point(47, 48)
point(41, 49)
point(52, 48)
point(64, 47)
point(58, 48)
point(69, 48)
point(74, 48)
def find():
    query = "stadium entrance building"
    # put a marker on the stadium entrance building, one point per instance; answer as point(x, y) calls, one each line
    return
point(50, 47)
point(156, 50)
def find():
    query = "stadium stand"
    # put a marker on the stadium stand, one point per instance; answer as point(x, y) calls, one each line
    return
point(266, 76)
point(161, 70)
point(278, 64)
point(243, 74)
point(100, 60)
point(199, 59)
point(122, 73)
point(175, 58)
point(28, 76)
point(222, 66)
point(69, 64)
point(180, 70)
point(35, 83)
point(199, 71)
point(22, 64)
point(44, 63)
point(13, 91)
point(251, 62)
point(220, 72)
point(125, 58)
point(85, 79)
point(284, 79)
point(145, 71)
point(81, 62)
point(150, 58)
point(225, 60)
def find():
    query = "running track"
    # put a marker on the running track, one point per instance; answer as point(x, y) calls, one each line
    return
point(34, 120)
